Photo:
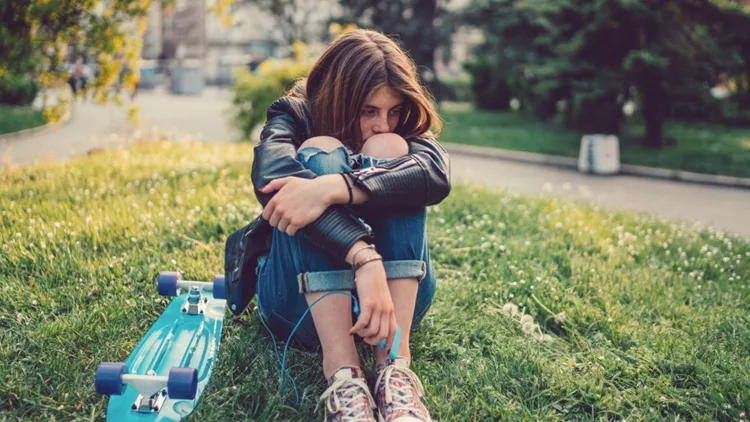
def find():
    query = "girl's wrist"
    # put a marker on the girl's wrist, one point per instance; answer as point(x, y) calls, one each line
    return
point(335, 188)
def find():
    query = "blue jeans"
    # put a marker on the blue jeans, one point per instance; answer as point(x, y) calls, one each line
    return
point(294, 267)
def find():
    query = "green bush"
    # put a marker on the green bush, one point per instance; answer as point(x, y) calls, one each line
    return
point(17, 90)
point(255, 91)
point(733, 113)
point(489, 85)
point(456, 89)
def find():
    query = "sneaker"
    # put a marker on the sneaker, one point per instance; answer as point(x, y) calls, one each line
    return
point(398, 392)
point(347, 398)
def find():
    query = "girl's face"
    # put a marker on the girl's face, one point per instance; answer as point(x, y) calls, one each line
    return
point(381, 112)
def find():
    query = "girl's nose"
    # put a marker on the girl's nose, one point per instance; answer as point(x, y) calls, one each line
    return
point(381, 126)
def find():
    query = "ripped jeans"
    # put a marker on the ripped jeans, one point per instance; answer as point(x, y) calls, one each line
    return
point(294, 267)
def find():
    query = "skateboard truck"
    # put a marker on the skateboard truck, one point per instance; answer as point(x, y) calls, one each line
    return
point(151, 404)
point(195, 303)
point(113, 377)
point(170, 282)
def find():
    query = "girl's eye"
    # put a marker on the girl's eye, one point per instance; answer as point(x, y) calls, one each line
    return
point(396, 112)
point(369, 112)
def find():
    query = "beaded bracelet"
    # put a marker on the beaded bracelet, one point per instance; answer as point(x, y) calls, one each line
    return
point(367, 260)
point(354, 257)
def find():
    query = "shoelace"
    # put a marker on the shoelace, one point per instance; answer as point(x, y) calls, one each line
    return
point(355, 414)
point(405, 404)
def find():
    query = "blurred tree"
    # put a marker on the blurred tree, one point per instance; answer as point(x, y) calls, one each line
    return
point(44, 38)
point(595, 55)
point(499, 65)
point(294, 17)
point(420, 26)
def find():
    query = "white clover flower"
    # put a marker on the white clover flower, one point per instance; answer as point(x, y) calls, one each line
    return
point(527, 319)
point(561, 316)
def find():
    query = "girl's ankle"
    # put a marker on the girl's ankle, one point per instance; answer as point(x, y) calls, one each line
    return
point(329, 367)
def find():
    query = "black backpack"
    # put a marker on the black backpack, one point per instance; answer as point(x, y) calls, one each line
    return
point(241, 253)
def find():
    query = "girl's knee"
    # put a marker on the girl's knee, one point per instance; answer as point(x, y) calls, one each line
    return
point(385, 145)
point(324, 155)
point(325, 143)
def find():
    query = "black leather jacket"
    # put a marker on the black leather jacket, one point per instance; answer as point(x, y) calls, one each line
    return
point(419, 179)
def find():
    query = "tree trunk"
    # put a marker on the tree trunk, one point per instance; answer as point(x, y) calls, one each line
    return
point(654, 112)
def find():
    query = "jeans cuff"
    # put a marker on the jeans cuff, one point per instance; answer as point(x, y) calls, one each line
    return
point(344, 279)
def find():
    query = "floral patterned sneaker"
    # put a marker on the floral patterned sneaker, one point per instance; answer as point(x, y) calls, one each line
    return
point(398, 392)
point(347, 398)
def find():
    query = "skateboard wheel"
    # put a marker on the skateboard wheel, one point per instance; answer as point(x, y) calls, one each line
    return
point(167, 285)
point(108, 379)
point(182, 383)
point(220, 287)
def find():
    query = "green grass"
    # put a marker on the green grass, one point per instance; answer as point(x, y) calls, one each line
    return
point(13, 119)
point(627, 317)
point(701, 148)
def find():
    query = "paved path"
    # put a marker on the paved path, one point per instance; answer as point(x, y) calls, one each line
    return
point(206, 117)
point(85, 131)
point(725, 208)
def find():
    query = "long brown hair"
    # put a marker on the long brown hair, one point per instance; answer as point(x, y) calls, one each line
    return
point(352, 68)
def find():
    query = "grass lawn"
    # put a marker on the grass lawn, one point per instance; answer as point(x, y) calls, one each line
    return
point(624, 316)
point(13, 119)
point(700, 148)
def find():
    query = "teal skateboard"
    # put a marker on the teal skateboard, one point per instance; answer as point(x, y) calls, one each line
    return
point(165, 375)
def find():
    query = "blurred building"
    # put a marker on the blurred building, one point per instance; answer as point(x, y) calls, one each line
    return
point(184, 29)
point(153, 41)
point(188, 30)
point(250, 40)
point(462, 43)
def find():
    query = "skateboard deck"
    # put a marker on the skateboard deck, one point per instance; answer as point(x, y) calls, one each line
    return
point(185, 336)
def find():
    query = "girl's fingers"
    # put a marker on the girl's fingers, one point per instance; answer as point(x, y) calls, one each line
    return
point(275, 218)
point(364, 318)
point(373, 327)
point(268, 210)
point(383, 332)
point(274, 185)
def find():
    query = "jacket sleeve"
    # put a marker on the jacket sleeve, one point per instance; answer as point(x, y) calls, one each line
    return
point(419, 179)
point(334, 232)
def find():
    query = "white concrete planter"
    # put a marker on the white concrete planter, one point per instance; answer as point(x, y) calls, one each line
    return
point(599, 154)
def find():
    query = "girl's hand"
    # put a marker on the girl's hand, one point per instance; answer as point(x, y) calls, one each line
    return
point(299, 201)
point(377, 319)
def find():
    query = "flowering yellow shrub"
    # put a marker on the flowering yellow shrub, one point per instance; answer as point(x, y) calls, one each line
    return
point(255, 91)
